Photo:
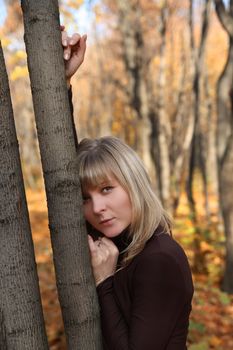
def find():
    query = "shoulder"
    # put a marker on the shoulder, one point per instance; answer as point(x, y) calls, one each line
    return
point(164, 245)
point(163, 263)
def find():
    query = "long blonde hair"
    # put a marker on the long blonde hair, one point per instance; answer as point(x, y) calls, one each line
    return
point(98, 159)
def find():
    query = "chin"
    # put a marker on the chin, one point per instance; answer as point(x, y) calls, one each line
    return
point(111, 234)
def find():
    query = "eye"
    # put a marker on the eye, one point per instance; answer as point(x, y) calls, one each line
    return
point(107, 189)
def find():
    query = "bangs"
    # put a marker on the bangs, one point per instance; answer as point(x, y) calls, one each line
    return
point(95, 170)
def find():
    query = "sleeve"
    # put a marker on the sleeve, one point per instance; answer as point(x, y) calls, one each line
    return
point(157, 300)
point(72, 116)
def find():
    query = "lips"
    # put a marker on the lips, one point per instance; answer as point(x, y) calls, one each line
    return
point(106, 221)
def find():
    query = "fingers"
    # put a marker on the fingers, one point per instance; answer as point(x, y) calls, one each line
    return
point(67, 53)
point(83, 45)
point(95, 246)
point(109, 243)
point(74, 39)
point(64, 37)
point(91, 243)
point(80, 53)
point(74, 44)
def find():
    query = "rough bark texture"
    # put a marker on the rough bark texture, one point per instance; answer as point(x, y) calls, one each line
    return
point(21, 318)
point(76, 289)
point(3, 342)
point(225, 141)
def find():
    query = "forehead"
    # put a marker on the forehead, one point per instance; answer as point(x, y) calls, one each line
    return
point(97, 181)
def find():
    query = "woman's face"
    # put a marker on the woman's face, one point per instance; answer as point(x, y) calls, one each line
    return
point(107, 207)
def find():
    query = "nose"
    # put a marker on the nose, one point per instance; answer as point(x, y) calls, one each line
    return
point(98, 204)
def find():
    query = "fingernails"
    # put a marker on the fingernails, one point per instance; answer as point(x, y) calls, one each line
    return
point(66, 56)
point(85, 37)
point(71, 42)
point(65, 42)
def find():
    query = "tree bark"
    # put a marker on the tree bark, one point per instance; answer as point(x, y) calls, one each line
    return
point(161, 141)
point(136, 68)
point(195, 150)
point(76, 288)
point(225, 141)
point(3, 341)
point(22, 326)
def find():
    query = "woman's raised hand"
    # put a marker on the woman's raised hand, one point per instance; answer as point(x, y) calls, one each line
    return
point(74, 48)
point(104, 256)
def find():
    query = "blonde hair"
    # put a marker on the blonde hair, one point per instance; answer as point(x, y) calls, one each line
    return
point(98, 159)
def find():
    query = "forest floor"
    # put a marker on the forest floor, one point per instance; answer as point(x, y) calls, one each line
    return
point(211, 324)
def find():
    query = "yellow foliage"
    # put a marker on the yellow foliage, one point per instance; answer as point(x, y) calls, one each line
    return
point(19, 72)
point(67, 8)
point(98, 13)
point(5, 42)
point(75, 4)
point(16, 57)
point(20, 54)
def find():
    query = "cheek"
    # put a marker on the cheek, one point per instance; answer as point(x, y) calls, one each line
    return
point(127, 208)
point(87, 212)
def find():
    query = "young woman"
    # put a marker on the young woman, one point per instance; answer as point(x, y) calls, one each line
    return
point(142, 275)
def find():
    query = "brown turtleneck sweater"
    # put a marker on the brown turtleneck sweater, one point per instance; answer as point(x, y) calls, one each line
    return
point(146, 305)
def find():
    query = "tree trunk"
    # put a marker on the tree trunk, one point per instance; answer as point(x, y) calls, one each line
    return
point(196, 155)
point(196, 151)
point(20, 304)
point(76, 289)
point(136, 70)
point(225, 142)
point(3, 341)
point(160, 142)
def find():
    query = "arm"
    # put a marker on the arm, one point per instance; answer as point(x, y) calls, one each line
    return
point(157, 300)
point(74, 48)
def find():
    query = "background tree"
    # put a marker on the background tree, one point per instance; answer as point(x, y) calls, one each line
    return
point(136, 63)
point(196, 157)
point(160, 138)
point(77, 293)
point(196, 151)
point(225, 141)
point(21, 319)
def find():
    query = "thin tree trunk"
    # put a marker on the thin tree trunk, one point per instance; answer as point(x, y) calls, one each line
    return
point(76, 289)
point(20, 304)
point(163, 123)
point(225, 142)
point(212, 166)
point(136, 70)
point(196, 154)
point(104, 96)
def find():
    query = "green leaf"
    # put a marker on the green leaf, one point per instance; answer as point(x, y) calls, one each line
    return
point(200, 327)
point(224, 298)
point(199, 346)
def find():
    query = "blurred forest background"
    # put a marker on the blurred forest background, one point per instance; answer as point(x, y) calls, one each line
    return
point(150, 77)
